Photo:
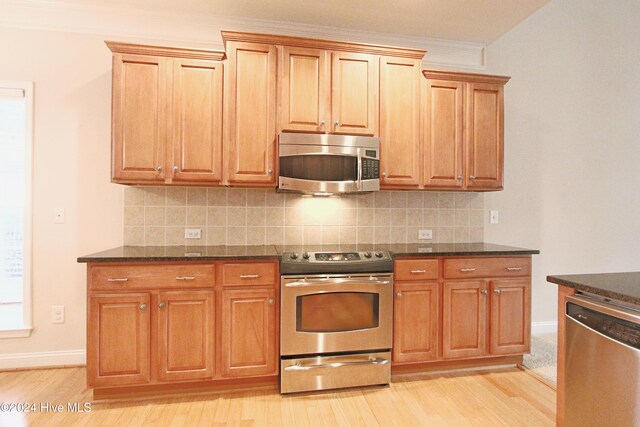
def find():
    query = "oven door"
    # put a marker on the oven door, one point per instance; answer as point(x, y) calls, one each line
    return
point(319, 168)
point(329, 314)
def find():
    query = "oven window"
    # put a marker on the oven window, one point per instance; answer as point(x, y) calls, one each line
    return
point(320, 167)
point(337, 311)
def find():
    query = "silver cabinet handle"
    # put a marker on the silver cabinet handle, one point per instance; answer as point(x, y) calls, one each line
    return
point(467, 270)
point(514, 268)
point(271, 301)
point(162, 305)
point(249, 276)
point(159, 168)
point(185, 278)
point(117, 279)
point(370, 361)
point(143, 307)
point(484, 292)
point(399, 294)
point(496, 291)
point(418, 271)
point(472, 177)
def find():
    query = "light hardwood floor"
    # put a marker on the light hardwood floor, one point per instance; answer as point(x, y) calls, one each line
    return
point(509, 397)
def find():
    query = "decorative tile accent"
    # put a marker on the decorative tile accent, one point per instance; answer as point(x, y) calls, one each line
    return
point(239, 216)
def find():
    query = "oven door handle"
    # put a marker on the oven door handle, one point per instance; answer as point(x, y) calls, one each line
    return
point(369, 361)
point(332, 282)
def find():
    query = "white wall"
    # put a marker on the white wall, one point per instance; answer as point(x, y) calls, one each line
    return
point(572, 141)
point(72, 75)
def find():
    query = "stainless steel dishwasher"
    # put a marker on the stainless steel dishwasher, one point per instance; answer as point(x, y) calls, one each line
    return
point(602, 365)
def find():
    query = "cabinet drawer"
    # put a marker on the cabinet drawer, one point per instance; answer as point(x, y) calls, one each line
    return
point(249, 273)
point(462, 268)
point(416, 269)
point(152, 276)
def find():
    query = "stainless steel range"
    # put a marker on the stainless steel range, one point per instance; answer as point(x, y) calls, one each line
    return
point(336, 319)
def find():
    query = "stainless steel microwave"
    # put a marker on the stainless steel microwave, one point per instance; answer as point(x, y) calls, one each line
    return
point(328, 164)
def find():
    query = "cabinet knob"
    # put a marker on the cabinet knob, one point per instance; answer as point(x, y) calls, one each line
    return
point(143, 307)
point(271, 301)
point(159, 168)
point(484, 292)
point(496, 291)
point(399, 294)
point(162, 305)
point(322, 123)
point(336, 124)
point(270, 171)
point(384, 174)
point(175, 168)
point(472, 177)
point(459, 177)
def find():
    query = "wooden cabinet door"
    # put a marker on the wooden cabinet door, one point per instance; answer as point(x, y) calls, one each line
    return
point(415, 324)
point(400, 122)
point(355, 81)
point(484, 135)
point(139, 118)
point(464, 319)
point(118, 339)
point(250, 113)
point(510, 323)
point(304, 90)
point(443, 148)
point(249, 340)
point(197, 121)
point(185, 335)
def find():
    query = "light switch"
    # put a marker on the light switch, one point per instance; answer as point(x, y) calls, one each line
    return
point(58, 216)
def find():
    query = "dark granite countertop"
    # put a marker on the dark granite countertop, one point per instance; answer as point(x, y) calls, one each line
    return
point(619, 286)
point(417, 249)
point(181, 253)
point(212, 253)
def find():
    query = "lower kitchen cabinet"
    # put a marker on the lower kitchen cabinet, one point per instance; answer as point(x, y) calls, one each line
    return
point(185, 335)
point(464, 319)
point(249, 333)
point(415, 322)
point(510, 316)
point(119, 339)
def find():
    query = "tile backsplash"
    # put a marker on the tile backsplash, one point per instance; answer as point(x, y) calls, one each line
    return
point(236, 216)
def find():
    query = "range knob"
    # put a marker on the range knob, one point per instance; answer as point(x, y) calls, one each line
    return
point(367, 254)
point(305, 255)
point(379, 254)
point(293, 255)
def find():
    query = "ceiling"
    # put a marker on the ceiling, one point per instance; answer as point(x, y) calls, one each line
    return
point(478, 21)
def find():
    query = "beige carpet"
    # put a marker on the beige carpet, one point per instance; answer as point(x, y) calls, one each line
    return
point(543, 357)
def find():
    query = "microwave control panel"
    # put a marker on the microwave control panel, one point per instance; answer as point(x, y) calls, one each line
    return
point(370, 168)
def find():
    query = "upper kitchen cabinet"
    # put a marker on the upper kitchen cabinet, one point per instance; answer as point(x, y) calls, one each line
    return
point(250, 112)
point(400, 122)
point(305, 97)
point(464, 130)
point(167, 115)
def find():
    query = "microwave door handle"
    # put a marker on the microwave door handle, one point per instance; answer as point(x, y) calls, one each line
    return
point(359, 183)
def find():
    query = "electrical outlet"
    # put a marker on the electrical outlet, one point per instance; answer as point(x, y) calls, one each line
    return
point(493, 218)
point(193, 233)
point(58, 216)
point(425, 234)
point(57, 314)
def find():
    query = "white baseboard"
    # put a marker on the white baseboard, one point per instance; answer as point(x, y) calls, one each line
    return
point(42, 359)
point(540, 328)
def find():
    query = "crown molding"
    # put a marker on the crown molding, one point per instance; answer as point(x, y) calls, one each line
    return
point(169, 26)
point(465, 77)
point(375, 49)
point(174, 52)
